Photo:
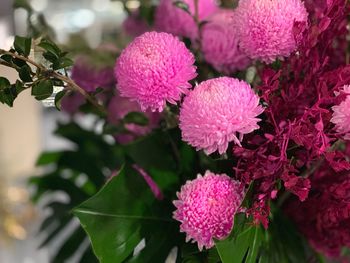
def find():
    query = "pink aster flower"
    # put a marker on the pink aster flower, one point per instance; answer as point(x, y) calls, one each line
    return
point(206, 207)
point(153, 69)
point(341, 115)
point(72, 102)
point(172, 19)
point(220, 43)
point(118, 108)
point(218, 110)
point(265, 27)
point(90, 76)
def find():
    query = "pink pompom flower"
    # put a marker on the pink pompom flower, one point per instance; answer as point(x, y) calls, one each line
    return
point(218, 110)
point(153, 69)
point(206, 207)
point(119, 107)
point(172, 19)
point(265, 27)
point(341, 115)
point(220, 43)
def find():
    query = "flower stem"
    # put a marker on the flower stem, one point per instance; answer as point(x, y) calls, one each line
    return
point(71, 84)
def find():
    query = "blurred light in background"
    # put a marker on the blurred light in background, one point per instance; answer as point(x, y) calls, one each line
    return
point(39, 5)
point(132, 4)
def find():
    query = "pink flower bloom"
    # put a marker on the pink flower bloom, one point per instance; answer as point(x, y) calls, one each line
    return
point(265, 27)
point(118, 108)
point(90, 76)
point(72, 102)
point(220, 43)
point(206, 207)
point(153, 69)
point(172, 19)
point(341, 115)
point(218, 110)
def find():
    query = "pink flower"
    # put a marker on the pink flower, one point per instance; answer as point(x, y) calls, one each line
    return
point(218, 110)
point(72, 102)
point(206, 207)
point(341, 115)
point(265, 27)
point(220, 43)
point(153, 69)
point(172, 19)
point(118, 108)
point(89, 75)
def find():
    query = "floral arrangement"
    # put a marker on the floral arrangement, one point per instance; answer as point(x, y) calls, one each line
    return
point(223, 134)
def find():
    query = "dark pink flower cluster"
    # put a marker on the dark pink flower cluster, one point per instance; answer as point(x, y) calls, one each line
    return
point(324, 218)
point(297, 132)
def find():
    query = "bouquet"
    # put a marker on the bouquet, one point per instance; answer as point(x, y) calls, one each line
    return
point(221, 133)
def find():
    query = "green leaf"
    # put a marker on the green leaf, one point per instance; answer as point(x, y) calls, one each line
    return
point(62, 63)
point(24, 73)
point(123, 220)
point(136, 118)
point(152, 152)
point(42, 90)
point(243, 244)
point(48, 158)
point(50, 47)
point(4, 83)
point(8, 92)
point(58, 99)
point(19, 87)
point(22, 45)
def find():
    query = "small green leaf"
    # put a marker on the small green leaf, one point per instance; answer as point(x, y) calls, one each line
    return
point(22, 45)
point(136, 118)
point(182, 5)
point(7, 58)
point(50, 47)
point(19, 87)
point(50, 57)
point(42, 90)
point(4, 83)
point(62, 63)
point(24, 73)
point(8, 96)
point(58, 99)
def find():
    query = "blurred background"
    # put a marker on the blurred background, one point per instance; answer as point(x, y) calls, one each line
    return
point(26, 129)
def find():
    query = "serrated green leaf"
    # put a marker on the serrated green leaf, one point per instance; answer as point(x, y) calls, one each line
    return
point(4, 83)
point(7, 93)
point(42, 90)
point(24, 73)
point(58, 99)
point(22, 45)
point(62, 62)
point(50, 48)
point(136, 118)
